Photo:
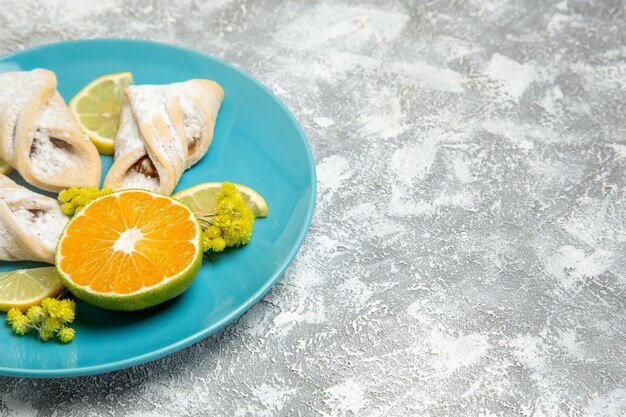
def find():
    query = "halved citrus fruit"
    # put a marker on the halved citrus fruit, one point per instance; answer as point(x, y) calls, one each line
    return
point(201, 198)
point(130, 250)
point(4, 167)
point(97, 109)
point(23, 288)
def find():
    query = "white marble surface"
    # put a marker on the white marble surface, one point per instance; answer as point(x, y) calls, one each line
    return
point(467, 253)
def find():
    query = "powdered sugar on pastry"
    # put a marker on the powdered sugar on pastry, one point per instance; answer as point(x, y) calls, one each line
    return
point(45, 226)
point(39, 136)
point(30, 223)
point(136, 179)
point(48, 155)
point(164, 129)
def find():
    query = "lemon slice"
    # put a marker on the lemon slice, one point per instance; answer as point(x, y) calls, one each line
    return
point(201, 198)
point(4, 167)
point(23, 288)
point(97, 109)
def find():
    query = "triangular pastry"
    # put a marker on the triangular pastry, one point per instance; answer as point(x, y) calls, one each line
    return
point(30, 223)
point(39, 137)
point(164, 129)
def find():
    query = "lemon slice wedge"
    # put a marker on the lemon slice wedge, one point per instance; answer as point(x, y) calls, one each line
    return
point(23, 288)
point(201, 198)
point(97, 109)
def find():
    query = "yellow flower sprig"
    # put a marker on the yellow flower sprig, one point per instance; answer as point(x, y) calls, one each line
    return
point(75, 198)
point(231, 223)
point(49, 319)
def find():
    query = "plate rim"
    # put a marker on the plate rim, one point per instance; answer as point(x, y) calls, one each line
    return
point(237, 312)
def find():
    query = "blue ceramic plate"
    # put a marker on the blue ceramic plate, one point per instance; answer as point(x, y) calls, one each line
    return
point(257, 142)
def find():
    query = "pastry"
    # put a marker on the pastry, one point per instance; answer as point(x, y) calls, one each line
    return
point(39, 137)
point(30, 223)
point(164, 129)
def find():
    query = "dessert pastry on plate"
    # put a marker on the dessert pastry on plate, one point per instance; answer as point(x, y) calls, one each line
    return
point(164, 129)
point(30, 223)
point(39, 137)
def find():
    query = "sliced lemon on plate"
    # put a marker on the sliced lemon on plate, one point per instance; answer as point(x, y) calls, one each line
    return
point(97, 109)
point(4, 167)
point(23, 288)
point(201, 198)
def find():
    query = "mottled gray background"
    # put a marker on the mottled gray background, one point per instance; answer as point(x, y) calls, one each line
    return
point(467, 253)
